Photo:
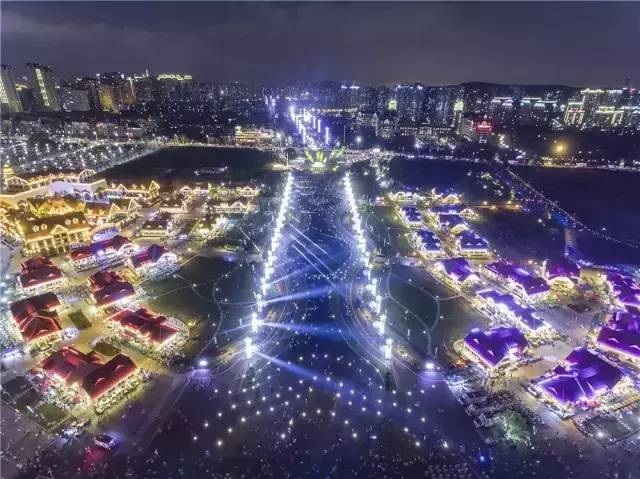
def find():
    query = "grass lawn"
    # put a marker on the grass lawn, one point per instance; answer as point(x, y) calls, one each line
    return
point(52, 416)
point(106, 349)
point(79, 320)
point(203, 268)
point(183, 304)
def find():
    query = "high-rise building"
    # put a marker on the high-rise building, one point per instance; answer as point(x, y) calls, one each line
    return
point(108, 100)
point(178, 86)
point(475, 127)
point(122, 95)
point(574, 113)
point(534, 111)
point(143, 87)
point(73, 99)
point(41, 78)
point(596, 108)
point(25, 93)
point(502, 111)
point(91, 86)
point(477, 97)
point(9, 99)
point(445, 99)
point(410, 100)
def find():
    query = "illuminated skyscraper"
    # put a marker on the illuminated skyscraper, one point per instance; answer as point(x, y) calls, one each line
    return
point(41, 78)
point(410, 100)
point(108, 100)
point(123, 95)
point(8, 94)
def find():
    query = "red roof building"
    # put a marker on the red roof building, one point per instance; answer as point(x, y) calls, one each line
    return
point(108, 288)
point(36, 317)
point(153, 255)
point(86, 371)
point(37, 274)
point(145, 324)
point(104, 278)
point(70, 365)
point(107, 250)
point(106, 377)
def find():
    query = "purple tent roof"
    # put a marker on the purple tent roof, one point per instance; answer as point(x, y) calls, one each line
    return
point(458, 267)
point(429, 240)
point(622, 333)
point(470, 240)
point(532, 284)
point(583, 377)
point(450, 220)
point(562, 268)
point(525, 314)
point(409, 209)
point(626, 290)
point(496, 344)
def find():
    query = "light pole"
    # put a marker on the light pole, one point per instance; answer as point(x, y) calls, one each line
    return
point(358, 141)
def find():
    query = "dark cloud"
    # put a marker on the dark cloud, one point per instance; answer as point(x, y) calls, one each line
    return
point(381, 42)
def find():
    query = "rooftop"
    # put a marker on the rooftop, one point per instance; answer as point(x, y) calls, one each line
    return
point(35, 271)
point(470, 240)
point(582, 376)
point(561, 268)
point(100, 247)
point(622, 333)
point(496, 344)
point(151, 255)
point(530, 283)
point(36, 316)
point(457, 267)
point(145, 323)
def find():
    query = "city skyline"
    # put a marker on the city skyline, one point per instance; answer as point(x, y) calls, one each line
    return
point(295, 45)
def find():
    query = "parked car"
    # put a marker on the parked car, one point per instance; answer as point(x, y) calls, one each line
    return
point(474, 397)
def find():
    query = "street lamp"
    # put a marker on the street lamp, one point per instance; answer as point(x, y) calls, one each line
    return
point(249, 347)
point(358, 141)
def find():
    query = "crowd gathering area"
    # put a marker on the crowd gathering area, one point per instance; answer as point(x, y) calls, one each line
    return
point(561, 336)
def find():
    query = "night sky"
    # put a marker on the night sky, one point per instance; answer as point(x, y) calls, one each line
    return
point(371, 43)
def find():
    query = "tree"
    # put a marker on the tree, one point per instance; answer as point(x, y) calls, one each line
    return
point(516, 427)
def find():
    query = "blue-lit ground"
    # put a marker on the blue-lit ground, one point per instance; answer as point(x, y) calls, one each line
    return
point(318, 398)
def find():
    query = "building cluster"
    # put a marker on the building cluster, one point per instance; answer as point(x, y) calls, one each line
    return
point(604, 109)
point(440, 224)
point(52, 213)
point(472, 111)
point(232, 199)
point(512, 295)
point(42, 91)
point(75, 378)
point(586, 377)
point(67, 375)
point(415, 112)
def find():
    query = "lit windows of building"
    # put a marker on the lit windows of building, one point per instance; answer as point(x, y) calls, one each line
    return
point(86, 375)
point(139, 191)
point(41, 78)
point(37, 318)
point(102, 253)
point(9, 99)
point(53, 234)
point(475, 128)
